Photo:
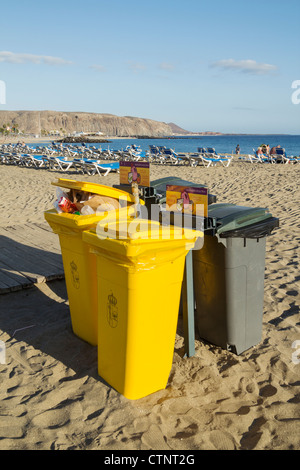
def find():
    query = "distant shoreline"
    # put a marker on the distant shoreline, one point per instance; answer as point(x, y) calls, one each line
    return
point(105, 139)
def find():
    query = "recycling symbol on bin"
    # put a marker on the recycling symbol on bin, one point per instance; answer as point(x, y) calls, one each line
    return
point(112, 311)
point(75, 275)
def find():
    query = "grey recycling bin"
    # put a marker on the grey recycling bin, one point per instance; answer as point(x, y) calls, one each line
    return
point(228, 276)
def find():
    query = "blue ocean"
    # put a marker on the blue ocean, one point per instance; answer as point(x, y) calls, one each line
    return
point(222, 143)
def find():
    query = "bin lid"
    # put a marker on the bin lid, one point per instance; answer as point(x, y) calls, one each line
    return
point(231, 217)
point(260, 229)
point(162, 182)
point(95, 188)
point(135, 228)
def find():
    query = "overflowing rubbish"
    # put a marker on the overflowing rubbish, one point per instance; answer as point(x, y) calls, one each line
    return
point(83, 202)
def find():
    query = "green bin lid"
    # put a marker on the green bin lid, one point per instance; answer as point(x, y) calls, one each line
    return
point(232, 217)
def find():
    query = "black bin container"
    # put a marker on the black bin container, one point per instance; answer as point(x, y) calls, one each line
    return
point(228, 273)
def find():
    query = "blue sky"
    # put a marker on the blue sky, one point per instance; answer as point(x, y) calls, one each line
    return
point(224, 66)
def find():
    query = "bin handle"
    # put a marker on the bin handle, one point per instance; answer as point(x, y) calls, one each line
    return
point(66, 231)
point(255, 231)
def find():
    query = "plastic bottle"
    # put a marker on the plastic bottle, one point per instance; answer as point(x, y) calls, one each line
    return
point(56, 206)
point(87, 210)
point(135, 192)
point(104, 208)
point(60, 193)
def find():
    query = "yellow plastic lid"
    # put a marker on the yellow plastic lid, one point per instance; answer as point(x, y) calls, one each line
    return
point(143, 229)
point(95, 188)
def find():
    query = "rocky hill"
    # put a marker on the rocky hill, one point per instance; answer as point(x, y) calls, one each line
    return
point(178, 130)
point(35, 122)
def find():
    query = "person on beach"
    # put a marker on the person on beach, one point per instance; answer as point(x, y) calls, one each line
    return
point(264, 148)
point(273, 150)
point(237, 150)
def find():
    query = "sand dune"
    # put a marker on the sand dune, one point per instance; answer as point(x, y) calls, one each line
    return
point(51, 394)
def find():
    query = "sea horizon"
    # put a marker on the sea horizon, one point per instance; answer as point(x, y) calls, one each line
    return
point(224, 143)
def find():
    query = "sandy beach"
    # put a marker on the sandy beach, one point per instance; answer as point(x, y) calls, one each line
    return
point(51, 395)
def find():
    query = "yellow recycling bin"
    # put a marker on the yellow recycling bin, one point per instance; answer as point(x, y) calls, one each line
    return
point(140, 270)
point(79, 264)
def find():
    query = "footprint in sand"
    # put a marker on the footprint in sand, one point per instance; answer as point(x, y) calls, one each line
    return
point(251, 438)
point(154, 438)
point(12, 427)
point(51, 419)
point(268, 391)
point(222, 440)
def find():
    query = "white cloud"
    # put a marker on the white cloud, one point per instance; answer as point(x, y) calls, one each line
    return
point(137, 66)
point(245, 66)
point(24, 58)
point(99, 68)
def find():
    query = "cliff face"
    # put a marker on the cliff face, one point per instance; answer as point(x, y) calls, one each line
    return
point(33, 122)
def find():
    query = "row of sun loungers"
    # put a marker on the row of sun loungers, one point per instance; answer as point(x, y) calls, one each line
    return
point(89, 160)
point(59, 163)
point(68, 151)
point(204, 157)
point(279, 157)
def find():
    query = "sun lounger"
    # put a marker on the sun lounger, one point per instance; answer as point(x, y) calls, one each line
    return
point(208, 157)
point(109, 154)
point(139, 156)
point(169, 156)
point(262, 158)
point(280, 153)
point(4, 157)
point(154, 153)
point(14, 158)
point(285, 159)
point(59, 163)
point(211, 151)
point(195, 159)
point(255, 157)
point(35, 161)
point(213, 161)
point(183, 158)
point(78, 165)
point(93, 167)
point(282, 157)
point(46, 161)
